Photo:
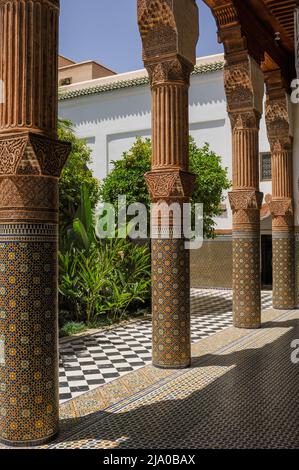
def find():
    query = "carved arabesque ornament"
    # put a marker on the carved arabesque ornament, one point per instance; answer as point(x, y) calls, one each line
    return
point(245, 120)
point(29, 153)
point(152, 13)
point(170, 70)
point(165, 185)
point(243, 200)
point(278, 125)
point(238, 86)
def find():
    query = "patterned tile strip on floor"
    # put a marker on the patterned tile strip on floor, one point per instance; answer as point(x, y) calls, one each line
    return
point(242, 396)
point(91, 361)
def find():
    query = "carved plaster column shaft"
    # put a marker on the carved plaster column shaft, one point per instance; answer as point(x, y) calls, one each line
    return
point(244, 91)
point(279, 130)
point(169, 32)
point(31, 160)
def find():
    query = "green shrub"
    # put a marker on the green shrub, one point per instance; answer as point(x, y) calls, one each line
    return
point(72, 328)
point(127, 177)
point(75, 174)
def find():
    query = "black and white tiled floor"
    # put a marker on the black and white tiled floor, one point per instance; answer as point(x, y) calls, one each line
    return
point(91, 361)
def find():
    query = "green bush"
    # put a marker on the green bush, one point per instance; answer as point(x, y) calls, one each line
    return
point(127, 177)
point(74, 175)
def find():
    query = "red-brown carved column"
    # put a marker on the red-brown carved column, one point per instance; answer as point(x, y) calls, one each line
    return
point(282, 205)
point(169, 31)
point(244, 91)
point(31, 159)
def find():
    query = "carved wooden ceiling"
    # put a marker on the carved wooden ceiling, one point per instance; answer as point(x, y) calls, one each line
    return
point(268, 26)
point(283, 13)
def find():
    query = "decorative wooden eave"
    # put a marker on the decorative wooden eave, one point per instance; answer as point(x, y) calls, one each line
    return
point(265, 28)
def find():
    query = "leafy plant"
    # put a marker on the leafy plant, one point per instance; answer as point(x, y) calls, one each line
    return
point(75, 173)
point(127, 177)
point(100, 277)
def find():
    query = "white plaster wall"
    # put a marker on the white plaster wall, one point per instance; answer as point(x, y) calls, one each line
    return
point(111, 121)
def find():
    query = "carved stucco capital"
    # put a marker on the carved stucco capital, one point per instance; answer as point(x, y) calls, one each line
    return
point(170, 184)
point(245, 200)
point(173, 70)
point(281, 207)
point(32, 154)
point(245, 120)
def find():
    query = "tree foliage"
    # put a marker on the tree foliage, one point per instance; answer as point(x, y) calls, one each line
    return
point(74, 175)
point(127, 178)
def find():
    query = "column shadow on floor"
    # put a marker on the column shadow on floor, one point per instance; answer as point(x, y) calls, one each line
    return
point(250, 401)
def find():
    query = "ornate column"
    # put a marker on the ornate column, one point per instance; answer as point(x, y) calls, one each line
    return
point(279, 130)
point(31, 160)
point(169, 32)
point(244, 90)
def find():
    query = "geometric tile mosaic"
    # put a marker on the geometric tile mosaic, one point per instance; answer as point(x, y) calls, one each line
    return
point(242, 394)
point(94, 360)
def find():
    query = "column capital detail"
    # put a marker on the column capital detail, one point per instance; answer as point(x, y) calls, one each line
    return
point(27, 153)
point(174, 69)
point(244, 200)
point(242, 120)
point(282, 211)
point(170, 184)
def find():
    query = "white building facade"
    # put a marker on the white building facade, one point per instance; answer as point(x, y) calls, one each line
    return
point(111, 112)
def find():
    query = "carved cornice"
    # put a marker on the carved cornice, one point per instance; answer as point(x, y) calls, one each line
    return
point(170, 184)
point(32, 154)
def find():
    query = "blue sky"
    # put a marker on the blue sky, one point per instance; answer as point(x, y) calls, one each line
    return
point(106, 31)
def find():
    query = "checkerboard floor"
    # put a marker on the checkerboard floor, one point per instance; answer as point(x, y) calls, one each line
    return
point(91, 361)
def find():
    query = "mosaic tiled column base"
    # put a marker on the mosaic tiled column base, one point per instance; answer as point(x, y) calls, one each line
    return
point(171, 304)
point(283, 270)
point(28, 338)
point(297, 266)
point(246, 280)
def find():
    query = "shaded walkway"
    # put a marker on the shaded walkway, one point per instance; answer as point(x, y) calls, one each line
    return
point(241, 392)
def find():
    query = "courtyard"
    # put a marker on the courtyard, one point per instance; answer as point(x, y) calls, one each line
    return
point(149, 227)
point(241, 392)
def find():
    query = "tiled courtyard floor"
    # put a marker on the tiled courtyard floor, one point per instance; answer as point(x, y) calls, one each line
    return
point(94, 360)
point(241, 392)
